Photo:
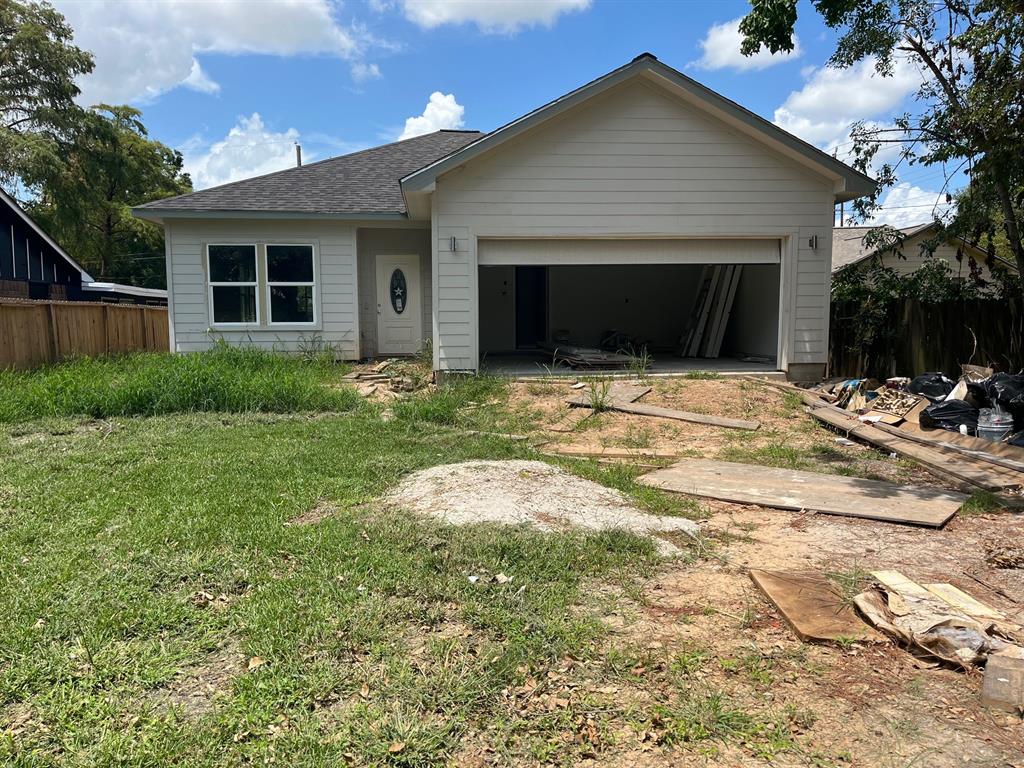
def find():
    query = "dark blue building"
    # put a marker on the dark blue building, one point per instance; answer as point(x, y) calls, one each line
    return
point(34, 266)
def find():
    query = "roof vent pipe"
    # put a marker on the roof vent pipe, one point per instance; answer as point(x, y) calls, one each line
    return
point(298, 155)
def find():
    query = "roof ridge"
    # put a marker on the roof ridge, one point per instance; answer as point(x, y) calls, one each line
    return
point(300, 167)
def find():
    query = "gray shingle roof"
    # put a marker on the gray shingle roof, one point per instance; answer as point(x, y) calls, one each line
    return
point(362, 182)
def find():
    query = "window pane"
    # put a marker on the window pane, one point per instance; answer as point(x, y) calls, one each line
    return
point(232, 264)
point(291, 304)
point(234, 305)
point(290, 263)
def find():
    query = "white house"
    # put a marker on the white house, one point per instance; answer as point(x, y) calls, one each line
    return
point(920, 246)
point(596, 212)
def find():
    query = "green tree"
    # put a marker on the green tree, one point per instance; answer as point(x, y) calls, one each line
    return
point(38, 67)
point(85, 201)
point(971, 115)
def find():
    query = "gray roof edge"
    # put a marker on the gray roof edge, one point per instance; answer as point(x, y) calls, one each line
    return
point(13, 205)
point(856, 182)
point(158, 214)
point(158, 204)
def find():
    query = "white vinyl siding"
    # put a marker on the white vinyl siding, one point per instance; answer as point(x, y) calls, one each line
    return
point(913, 259)
point(635, 162)
point(335, 262)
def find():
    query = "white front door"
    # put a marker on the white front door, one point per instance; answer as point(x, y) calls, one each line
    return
point(399, 315)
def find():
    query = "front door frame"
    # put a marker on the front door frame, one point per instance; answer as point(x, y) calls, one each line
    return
point(410, 264)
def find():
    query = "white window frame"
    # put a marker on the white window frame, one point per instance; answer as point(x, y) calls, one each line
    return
point(255, 284)
point(270, 284)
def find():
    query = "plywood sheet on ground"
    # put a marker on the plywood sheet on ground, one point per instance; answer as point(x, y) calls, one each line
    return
point(618, 392)
point(793, 489)
point(812, 606)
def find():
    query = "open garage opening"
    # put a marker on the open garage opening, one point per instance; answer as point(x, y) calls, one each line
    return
point(722, 317)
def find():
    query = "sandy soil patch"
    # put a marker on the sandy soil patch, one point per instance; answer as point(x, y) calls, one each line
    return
point(527, 492)
point(320, 511)
point(196, 689)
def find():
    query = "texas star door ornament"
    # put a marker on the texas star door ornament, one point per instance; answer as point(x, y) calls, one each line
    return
point(397, 291)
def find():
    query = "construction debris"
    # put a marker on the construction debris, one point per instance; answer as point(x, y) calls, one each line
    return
point(796, 490)
point(813, 606)
point(938, 621)
point(587, 357)
point(973, 461)
point(388, 377)
point(1003, 684)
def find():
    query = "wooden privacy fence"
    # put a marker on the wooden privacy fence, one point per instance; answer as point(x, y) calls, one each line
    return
point(37, 332)
point(921, 337)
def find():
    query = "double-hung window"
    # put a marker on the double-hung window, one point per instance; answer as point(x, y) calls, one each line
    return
point(233, 284)
point(291, 285)
point(261, 284)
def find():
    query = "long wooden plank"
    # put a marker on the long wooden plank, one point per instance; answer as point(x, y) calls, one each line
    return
point(611, 453)
point(935, 458)
point(730, 298)
point(942, 465)
point(641, 409)
point(963, 602)
point(793, 489)
point(812, 606)
point(978, 452)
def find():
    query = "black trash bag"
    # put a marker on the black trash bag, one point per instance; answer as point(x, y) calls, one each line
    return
point(934, 386)
point(950, 414)
point(977, 391)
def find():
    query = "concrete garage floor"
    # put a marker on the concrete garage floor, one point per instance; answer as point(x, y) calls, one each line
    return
point(540, 364)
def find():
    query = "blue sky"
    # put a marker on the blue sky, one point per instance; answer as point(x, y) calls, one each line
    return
point(234, 83)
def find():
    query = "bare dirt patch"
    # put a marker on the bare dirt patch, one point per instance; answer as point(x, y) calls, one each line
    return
point(787, 437)
point(322, 510)
point(527, 492)
point(195, 691)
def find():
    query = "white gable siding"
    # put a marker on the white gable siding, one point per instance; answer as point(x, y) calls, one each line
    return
point(634, 162)
point(336, 250)
point(914, 259)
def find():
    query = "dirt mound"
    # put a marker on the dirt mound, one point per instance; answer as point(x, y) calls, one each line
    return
point(531, 492)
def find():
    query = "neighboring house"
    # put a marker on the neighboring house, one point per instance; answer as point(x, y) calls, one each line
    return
point(848, 250)
point(595, 212)
point(34, 266)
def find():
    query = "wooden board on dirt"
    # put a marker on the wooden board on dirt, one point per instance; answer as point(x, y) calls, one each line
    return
point(618, 392)
point(641, 409)
point(1002, 686)
point(796, 490)
point(941, 463)
point(611, 453)
point(812, 606)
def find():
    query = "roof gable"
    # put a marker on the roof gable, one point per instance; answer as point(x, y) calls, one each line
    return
point(848, 244)
point(848, 183)
point(11, 203)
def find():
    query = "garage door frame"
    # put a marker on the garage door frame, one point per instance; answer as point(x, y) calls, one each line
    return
point(504, 251)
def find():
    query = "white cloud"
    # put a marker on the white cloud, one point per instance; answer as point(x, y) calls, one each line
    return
point(503, 16)
point(823, 111)
point(905, 204)
point(361, 72)
point(249, 149)
point(721, 46)
point(442, 111)
point(198, 80)
point(145, 48)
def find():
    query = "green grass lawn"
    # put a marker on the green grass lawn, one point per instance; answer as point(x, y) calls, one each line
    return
point(162, 604)
point(136, 552)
